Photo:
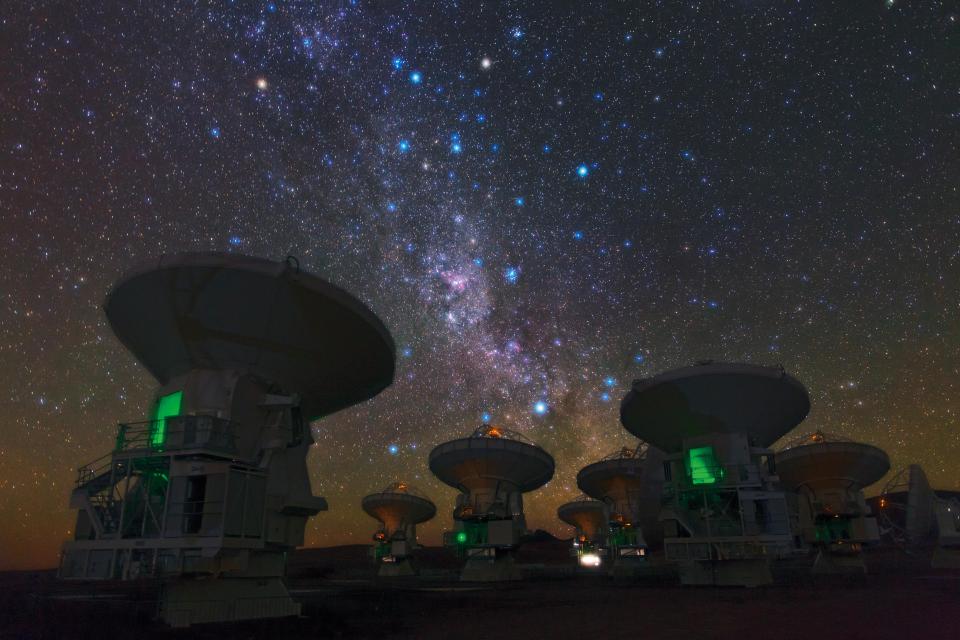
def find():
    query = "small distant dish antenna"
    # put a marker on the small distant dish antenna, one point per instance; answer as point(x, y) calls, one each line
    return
point(826, 475)
point(399, 508)
point(917, 519)
point(491, 468)
point(629, 481)
point(591, 522)
point(906, 508)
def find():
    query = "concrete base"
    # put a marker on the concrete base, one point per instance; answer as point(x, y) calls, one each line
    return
point(732, 573)
point(486, 569)
point(833, 564)
point(187, 602)
point(396, 569)
point(945, 558)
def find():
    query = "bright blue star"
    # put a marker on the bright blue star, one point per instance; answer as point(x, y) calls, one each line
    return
point(306, 42)
point(478, 262)
point(658, 52)
point(215, 132)
point(272, 8)
point(416, 77)
point(481, 117)
point(583, 171)
point(391, 207)
point(485, 417)
point(397, 63)
point(540, 407)
point(517, 33)
point(598, 96)
point(511, 274)
point(547, 148)
point(393, 449)
point(609, 381)
point(403, 146)
point(456, 147)
point(605, 396)
point(519, 201)
point(578, 235)
point(407, 352)
point(638, 358)
point(235, 240)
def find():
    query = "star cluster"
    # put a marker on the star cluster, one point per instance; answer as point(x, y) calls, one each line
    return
point(542, 202)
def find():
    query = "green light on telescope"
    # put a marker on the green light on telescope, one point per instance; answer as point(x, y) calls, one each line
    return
point(168, 406)
point(461, 537)
point(703, 467)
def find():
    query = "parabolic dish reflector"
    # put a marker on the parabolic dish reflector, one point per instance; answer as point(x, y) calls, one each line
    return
point(628, 482)
point(820, 464)
point(474, 462)
point(762, 402)
point(616, 479)
point(224, 311)
point(590, 516)
point(397, 506)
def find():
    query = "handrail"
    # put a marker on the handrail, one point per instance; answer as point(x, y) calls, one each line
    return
point(174, 433)
point(177, 432)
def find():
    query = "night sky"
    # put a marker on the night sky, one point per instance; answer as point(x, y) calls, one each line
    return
point(542, 202)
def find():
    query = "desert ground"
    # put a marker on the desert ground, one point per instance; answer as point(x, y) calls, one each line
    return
point(900, 598)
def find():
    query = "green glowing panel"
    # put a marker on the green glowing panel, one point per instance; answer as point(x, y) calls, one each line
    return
point(702, 466)
point(168, 406)
point(461, 537)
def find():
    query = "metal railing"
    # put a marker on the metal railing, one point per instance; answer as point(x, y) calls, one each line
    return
point(177, 433)
point(91, 470)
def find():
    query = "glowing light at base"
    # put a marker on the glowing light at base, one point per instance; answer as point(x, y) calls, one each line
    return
point(590, 560)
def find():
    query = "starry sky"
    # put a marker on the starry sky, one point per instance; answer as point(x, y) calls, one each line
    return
point(542, 201)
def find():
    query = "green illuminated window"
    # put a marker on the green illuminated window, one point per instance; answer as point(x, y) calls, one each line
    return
point(168, 406)
point(702, 466)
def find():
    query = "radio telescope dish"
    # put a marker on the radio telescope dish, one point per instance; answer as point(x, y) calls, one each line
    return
point(492, 469)
point(826, 474)
point(221, 311)
point(492, 456)
point(398, 506)
point(586, 515)
point(822, 461)
point(908, 520)
point(763, 402)
point(630, 481)
point(214, 481)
